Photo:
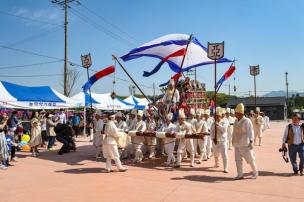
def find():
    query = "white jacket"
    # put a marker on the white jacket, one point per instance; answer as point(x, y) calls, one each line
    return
point(221, 131)
point(111, 133)
point(242, 132)
point(167, 129)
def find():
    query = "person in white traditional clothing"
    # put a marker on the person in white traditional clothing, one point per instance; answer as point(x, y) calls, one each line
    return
point(138, 141)
point(192, 120)
point(151, 141)
point(201, 127)
point(131, 122)
point(169, 127)
point(122, 126)
point(170, 99)
point(110, 149)
point(36, 138)
point(231, 119)
point(182, 128)
point(98, 133)
point(209, 121)
point(258, 128)
point(220, 138)
point(242, 141)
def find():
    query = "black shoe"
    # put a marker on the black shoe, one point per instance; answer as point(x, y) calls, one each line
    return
point(295, 173)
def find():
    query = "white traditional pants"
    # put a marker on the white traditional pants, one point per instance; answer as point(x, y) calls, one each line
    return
point(195, 144)
point(110, 151)
point(202, 143)
point(258, 135)
point(209, 146)
point(246, 153)
point(185, 144)
point(169, 148)
point(151, 142)
point(221, 149)
point(230, 132)
point(138, 143)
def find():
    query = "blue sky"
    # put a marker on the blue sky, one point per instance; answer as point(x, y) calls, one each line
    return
point(265, 32)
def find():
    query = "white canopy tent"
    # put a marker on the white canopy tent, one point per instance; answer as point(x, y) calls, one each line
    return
point(40, 97)
point(100, 101)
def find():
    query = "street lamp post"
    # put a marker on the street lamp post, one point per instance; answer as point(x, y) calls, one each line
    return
point(254, 71)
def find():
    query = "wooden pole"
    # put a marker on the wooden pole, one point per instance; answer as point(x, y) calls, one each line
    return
point(180, 71)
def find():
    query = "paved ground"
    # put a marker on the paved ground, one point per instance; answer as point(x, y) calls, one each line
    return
point(78, 177)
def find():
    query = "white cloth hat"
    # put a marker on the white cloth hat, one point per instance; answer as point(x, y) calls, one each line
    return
point(192, 111)
point(119, 114)
point(258, 109)
point(181, 114)
point(207, 112)
point(240, 108)
point(169, 116)
point(199, 112)
point(228, 110)
point(219, 111)
point(172, 82)
point(232, 111)
point(140, 113)
point(98, 112)
point(134, 112)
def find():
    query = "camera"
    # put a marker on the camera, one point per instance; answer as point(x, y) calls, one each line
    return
point(283, 149)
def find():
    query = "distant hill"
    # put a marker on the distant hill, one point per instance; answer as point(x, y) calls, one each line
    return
point(280, 93)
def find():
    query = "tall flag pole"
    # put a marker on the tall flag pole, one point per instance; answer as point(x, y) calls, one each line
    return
point(142, 92)
point(87, 63)
point(215, 52)
point(180, 71)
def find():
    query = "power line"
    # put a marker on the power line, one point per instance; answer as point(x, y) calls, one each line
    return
point(36, 36)
point(109, 23)
point(101, 28)
point(31, 76)
point(60, 59)
point(29, 19)
point(29, 65)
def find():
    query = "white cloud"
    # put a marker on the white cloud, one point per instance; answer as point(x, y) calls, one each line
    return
point(46, 15)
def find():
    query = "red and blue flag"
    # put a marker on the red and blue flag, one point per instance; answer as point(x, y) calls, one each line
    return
point(226, 76)
point(97, 76)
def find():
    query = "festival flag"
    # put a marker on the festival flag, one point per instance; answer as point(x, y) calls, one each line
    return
point(97, 76)
point(175, 78)
point(226, 76)
point(180, 52)
point(164, 46)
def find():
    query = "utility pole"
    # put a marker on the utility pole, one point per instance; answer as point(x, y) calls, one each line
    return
point(286, 79)
point(229, 88)
point(65, 5)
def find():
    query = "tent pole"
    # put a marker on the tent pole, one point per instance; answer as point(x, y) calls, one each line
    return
point(84, 121)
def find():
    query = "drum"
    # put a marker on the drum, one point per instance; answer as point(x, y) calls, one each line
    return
point(122, 141)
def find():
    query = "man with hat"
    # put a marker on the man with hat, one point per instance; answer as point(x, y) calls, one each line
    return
point(138, 141)
point(192, 120)
point(151, 141)
point(98, 133)
point(182, 128)
point(294, 137)
point(201, 127)
point(169, 127)
point(220, 138)
point(131, 122)
point(209, 121)
point(242, 141)
point(169, 97)
point(110, 149)
point(231, 119)
point(258, 127)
